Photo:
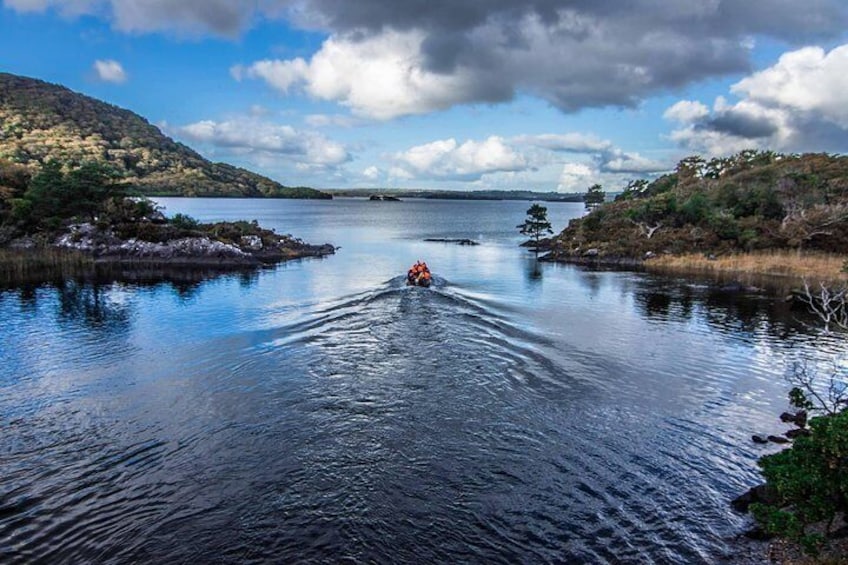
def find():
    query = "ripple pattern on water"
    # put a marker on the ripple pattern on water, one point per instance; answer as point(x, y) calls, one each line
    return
point(394, 425)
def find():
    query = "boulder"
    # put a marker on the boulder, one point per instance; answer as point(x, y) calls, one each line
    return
point(760, 493)
point(251, 242)
point(797, 432)
point(798, 418)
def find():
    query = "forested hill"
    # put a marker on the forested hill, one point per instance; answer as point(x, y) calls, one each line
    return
point(40, 122)
point(754, 200)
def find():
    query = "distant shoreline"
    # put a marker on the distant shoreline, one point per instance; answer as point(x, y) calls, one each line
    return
point(424, 194)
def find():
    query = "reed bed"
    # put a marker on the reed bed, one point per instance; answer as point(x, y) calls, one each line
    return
point(17, 265)
point(793, 266)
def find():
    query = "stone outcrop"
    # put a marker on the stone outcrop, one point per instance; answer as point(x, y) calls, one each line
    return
point(106, 247)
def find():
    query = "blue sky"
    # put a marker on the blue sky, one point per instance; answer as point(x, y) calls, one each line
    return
point(480, 94)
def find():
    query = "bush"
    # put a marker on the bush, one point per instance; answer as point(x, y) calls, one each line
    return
point(184, 222)
point(810, 479)
point(696, 209)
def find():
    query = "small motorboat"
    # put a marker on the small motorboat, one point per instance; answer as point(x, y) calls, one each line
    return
point(419, 275)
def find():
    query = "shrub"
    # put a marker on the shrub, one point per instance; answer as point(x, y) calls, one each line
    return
point(811, 482)
point(695, 209)
point(184, 222)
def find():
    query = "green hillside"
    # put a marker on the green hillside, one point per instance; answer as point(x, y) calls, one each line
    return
point(748, 202)
point(40, 122)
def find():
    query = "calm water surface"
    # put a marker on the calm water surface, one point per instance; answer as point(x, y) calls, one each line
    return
point(322, 411)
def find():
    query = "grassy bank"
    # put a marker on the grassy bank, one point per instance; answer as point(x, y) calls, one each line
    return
point(789, 266)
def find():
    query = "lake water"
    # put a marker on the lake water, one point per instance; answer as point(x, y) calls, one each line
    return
point(321, 411)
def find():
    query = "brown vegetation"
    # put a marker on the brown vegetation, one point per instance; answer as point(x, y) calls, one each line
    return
point(750, 203)
point(813, 267)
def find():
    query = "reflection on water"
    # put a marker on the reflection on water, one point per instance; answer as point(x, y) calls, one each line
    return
point(323, 411)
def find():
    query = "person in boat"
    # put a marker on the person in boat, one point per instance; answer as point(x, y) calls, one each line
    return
point(419, 274)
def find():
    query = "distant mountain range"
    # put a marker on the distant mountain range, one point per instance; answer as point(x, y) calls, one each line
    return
point(40, 121)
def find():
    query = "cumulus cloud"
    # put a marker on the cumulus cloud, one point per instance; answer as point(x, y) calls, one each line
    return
point(686, 111)
point(617, 161)
point(577, 177)
point(250, 136)
point(594, 159)
point(448, 159)
point(606, 157)
point(381, 77)
point(110, 71)
point(485, 52)
point(793, 105)
point(384, 58)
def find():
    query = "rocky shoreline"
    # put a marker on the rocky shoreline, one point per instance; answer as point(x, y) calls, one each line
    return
point(104, 246)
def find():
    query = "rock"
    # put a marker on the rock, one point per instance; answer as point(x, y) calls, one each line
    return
point(759, 493)
point(778, 439)
point(759, 439)
point(711, 257)
point(799, 418)
point(459, 241)
point(758, 534)
point(594, 252)
point(797, 432)
point(25, 242)
point(251, 242)
point(649, 255)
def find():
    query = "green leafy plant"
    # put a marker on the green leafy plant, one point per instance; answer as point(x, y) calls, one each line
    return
point(184, 222)
point(810, 479)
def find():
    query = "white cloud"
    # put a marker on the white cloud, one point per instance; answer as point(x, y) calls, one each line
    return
point(470, 160)
point(617, 161)
point(798, 104)
point(109, 70)
point(569, 142)
point(686, 111)
point(328, 120)
point(385, 58)
point(607, 157)
point(577, 177)
point(371, 173)
point(806, 80)
point(279, 74)
point(381, 77)
point(252, 136)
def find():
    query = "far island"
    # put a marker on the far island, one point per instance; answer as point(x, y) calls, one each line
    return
point(430, 194)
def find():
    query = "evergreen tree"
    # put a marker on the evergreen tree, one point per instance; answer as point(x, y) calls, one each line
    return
point(594, 196)
point(536, 223)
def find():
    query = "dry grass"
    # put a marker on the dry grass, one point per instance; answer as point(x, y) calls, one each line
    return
point(23, 265)
point(790, 265)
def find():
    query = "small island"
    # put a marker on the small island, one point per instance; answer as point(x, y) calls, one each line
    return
point(64, 219)
point(756, 212)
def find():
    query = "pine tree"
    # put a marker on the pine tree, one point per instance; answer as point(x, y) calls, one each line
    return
point(594, 196)
point(536, 223)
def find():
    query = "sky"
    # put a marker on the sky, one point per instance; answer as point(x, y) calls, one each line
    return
point(548, 95)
